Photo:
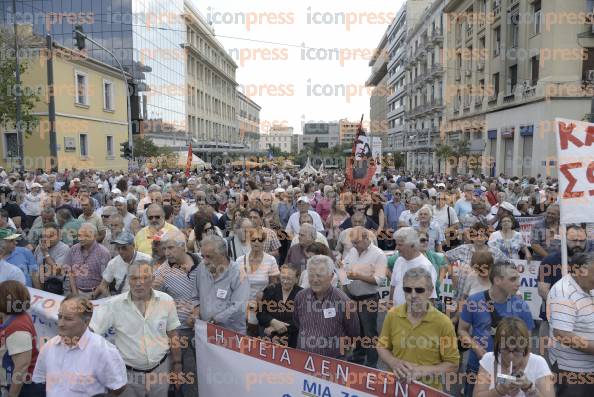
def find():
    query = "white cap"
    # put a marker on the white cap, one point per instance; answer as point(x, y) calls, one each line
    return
point(120, 200)
point(115, 190)
point(34, 185)
point(279, 190)
point(303, 199)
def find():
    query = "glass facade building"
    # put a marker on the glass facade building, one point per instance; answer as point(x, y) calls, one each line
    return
point(147, 36)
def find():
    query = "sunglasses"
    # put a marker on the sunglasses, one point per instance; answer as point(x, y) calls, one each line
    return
point(418, 290)
point(423, 240)
point(260, 239)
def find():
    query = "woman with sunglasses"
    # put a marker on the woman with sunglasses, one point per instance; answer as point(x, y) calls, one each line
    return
point(510, 369)
point(202, 228)
point(261, 270)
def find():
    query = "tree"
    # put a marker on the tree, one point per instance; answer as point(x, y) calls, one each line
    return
point(316, 146)
point(144, 147)
point(443, 152)
point(8, 86)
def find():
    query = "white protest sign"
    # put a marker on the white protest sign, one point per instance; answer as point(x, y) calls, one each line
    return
point(527, 224)
point(230, 364)
point(575, 157)
point(528, 285)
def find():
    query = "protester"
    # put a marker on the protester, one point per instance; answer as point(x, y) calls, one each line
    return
point(157, 225)
point(572, 328)
point(140, 318)
point(508, 240)
point(483, 311)
point(275, 312)
point(18, 339)
point(511, 356)
point(221, 289)
point(51, 255)
point(20, 257)
point(417, 341)
point(78, 360)
point(321, 312)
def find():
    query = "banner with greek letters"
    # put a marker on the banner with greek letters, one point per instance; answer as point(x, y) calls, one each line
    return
point(233, 365)
point(528, 285)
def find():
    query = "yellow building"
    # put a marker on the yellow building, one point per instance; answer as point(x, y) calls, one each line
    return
point(91, 114)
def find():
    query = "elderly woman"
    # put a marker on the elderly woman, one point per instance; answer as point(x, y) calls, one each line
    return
point(508, 240)
point(19, 339)
point(430, 227)
point(511, 356)
point(276, 309)
point(296, 256)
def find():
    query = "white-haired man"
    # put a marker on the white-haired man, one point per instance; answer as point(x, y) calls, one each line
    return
point(324, 313)
point(86, 262)
point(365, 265)
point(221, 289)
point(407, 244)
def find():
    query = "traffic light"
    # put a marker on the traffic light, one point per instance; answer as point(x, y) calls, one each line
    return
point(79, 38)
point(125, 151)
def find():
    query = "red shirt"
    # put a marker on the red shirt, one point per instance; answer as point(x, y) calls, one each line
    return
point(16, 323)
point(491, 198)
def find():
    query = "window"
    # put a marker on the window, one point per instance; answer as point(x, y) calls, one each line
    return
point(109, 145)
point(534, 66)
point(497, 41)
point(527, 155)
point(107, 95)
point(496, 85)
point(537, 16)
point(514, 30)
point(513, 78)
point(84, 145)
point(588, 64)
point(11, 147)
point(81, 88)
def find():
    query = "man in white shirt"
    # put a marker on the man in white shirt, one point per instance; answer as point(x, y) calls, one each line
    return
point(303, 207)
point(145, 323)
point(409, 216)
point(78, 362)
point(407, 244)
point(365, 266)
point(571, 319)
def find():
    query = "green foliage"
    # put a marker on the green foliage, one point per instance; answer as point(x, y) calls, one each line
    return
point(144, 147)
point(9, 89)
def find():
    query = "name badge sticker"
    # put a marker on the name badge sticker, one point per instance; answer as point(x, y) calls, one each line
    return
point(221, 293)
point(330, 312)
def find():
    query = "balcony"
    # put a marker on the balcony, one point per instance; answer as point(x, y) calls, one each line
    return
point(467, 102)
point(509, 97)
point(497, 11)
point(478, 101)
point(437, 104)
point(492, 101)
point(437, 70)
point(437, 36)
point(469, 30)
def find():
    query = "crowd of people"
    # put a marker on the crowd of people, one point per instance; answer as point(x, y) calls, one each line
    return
point(298, 260)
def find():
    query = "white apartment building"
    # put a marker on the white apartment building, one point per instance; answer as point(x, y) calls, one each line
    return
point(397, 33)
point(326, 134)
point(347, 131)
point(378, 102)
point(248, 118)
point(424, 65)
point(279, 136)
point(211, 103)
point(511, 73)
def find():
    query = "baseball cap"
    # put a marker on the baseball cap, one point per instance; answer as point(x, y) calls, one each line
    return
point(303, 199)
point(36, 185)
point(115, 190)
point(120, 200)
point(124, 238)
point(8, 234)
point(279, 190)
point(440, 185)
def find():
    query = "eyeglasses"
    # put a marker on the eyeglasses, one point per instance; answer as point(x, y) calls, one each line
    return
point(150, 218)
point(423, 240)
point(260, 239)
point(409, 290)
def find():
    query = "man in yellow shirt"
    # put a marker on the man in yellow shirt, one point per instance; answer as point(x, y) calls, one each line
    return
point(157, 225)
point(417, 341)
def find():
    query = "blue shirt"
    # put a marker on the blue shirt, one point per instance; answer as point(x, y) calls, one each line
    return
point(476, 313)
point(10, 272)
point(392, 211)
point(24, 260)
point(463, 207)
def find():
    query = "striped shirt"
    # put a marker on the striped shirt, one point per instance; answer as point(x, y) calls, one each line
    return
point(324, 322)
point(571, 310)
point(178, 284)
point(87, 267)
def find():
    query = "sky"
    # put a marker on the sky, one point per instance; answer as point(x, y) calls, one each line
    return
point(318, 69)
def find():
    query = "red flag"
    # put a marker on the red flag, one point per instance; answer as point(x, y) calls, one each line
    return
point(189, 161)
point(360, 165)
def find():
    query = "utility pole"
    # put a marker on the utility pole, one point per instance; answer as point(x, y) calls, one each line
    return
point(18, 92)
point(52, 103)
